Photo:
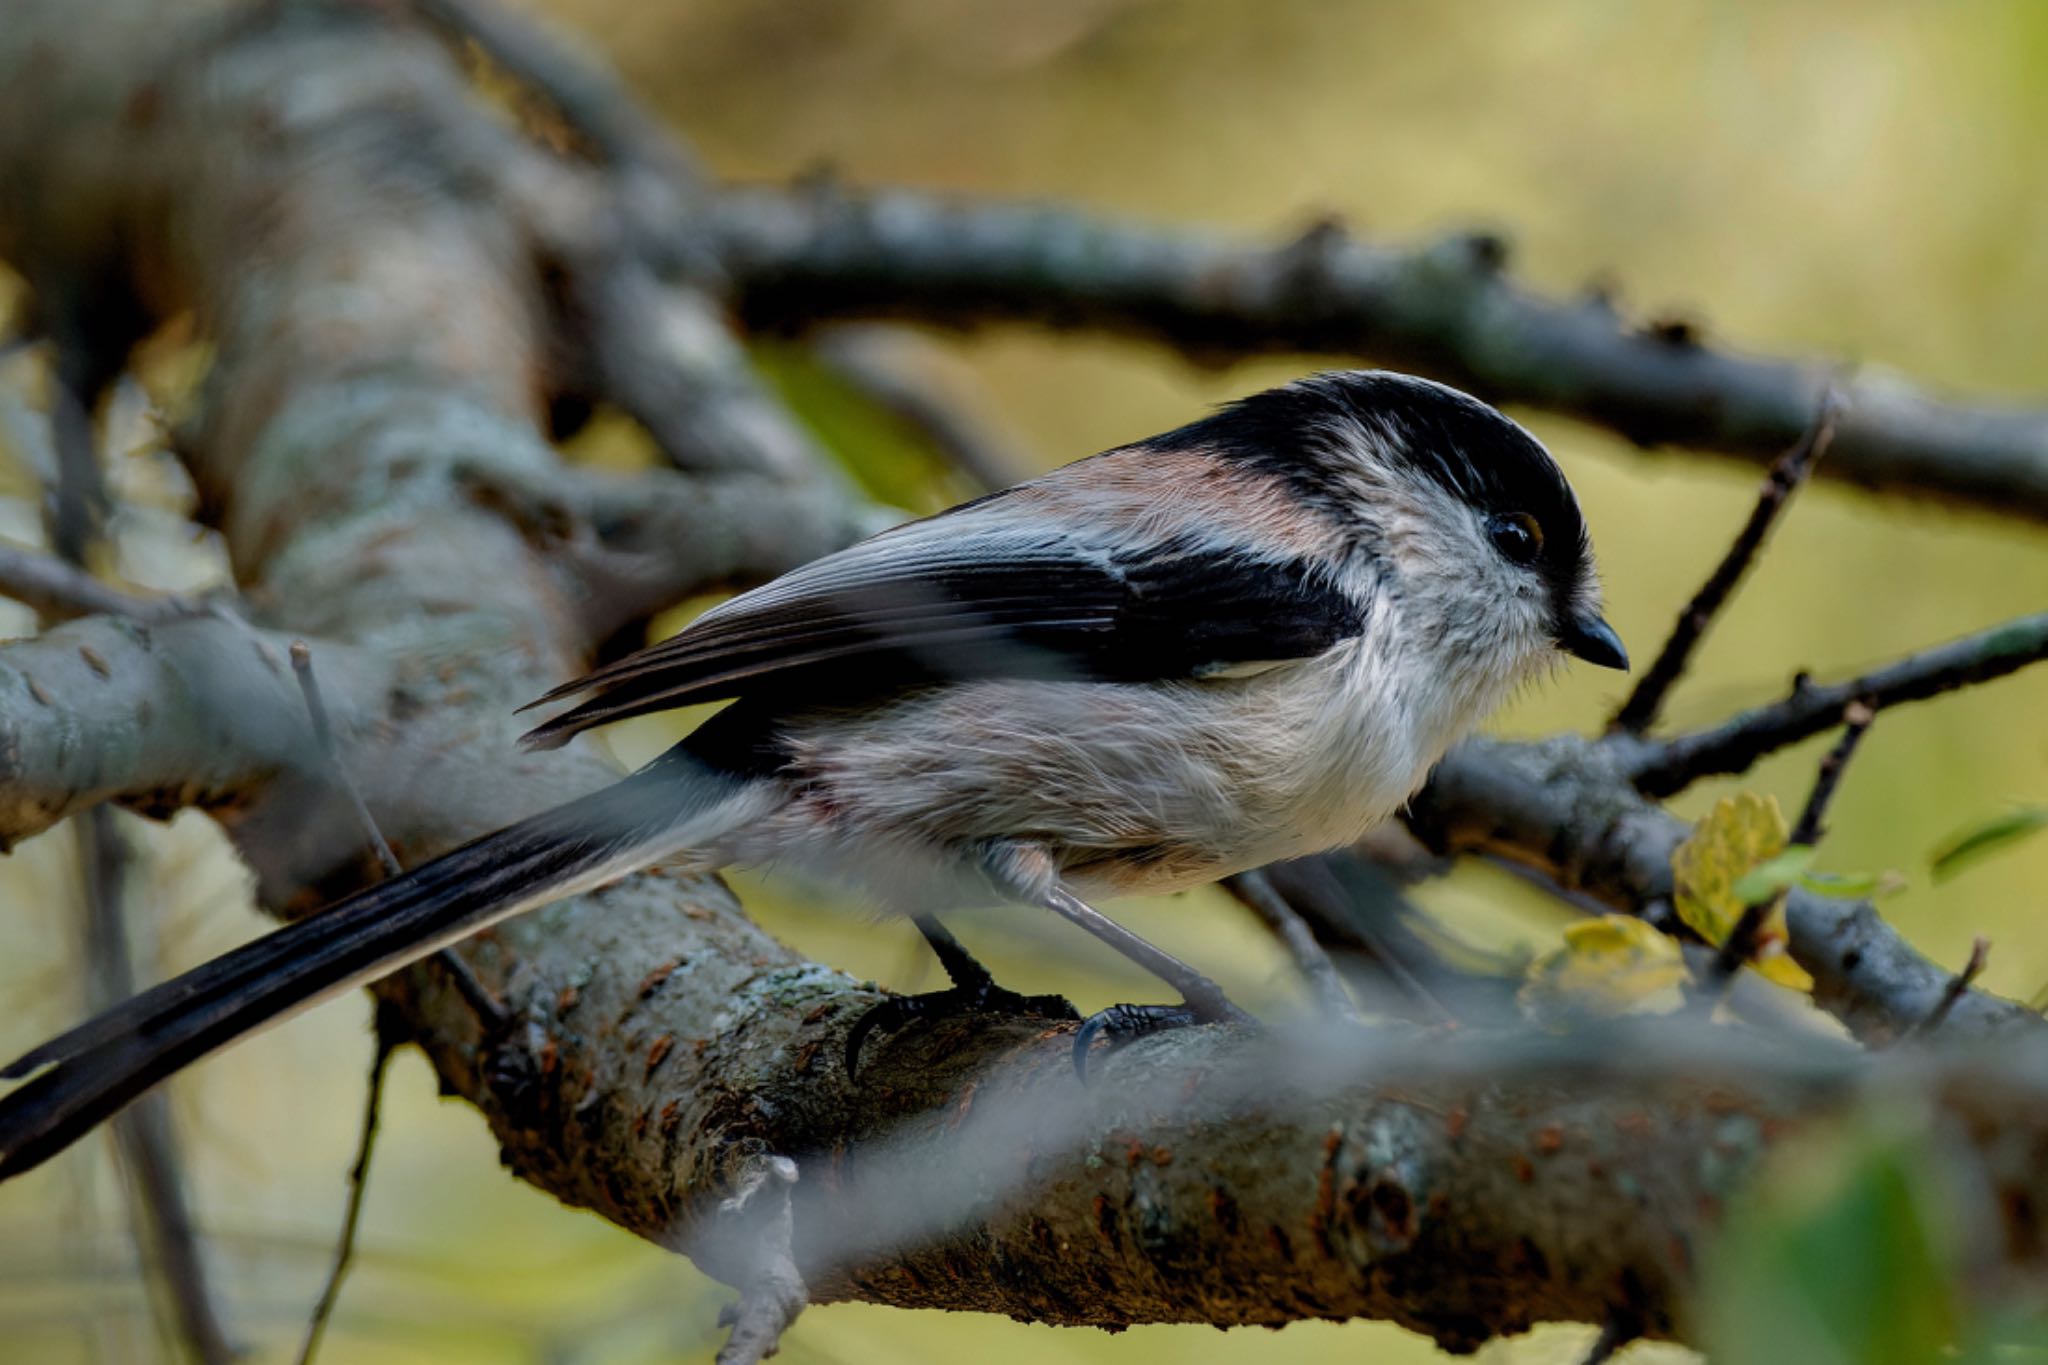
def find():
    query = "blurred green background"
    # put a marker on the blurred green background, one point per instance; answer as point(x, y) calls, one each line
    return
point(1853, 180)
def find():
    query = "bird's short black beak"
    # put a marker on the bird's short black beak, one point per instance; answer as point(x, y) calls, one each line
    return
point(1592, 639)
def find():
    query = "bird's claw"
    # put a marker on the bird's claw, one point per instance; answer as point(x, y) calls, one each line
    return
point(1122, 1025)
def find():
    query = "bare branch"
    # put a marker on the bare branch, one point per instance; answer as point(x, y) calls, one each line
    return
point(388, 1037)
point(583, 91)
point(59, 591)
point(1958, 986)
point(819, 254)
point(627, 547)
point(663, 353)
point(1256, 890)
point(873, 360)
point(323, 736)
point(1659, 769)
point(1639, 712)
point(1856, 721)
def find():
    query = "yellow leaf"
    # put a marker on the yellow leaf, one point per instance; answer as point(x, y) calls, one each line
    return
point(1741, 833)
point(1615, 964)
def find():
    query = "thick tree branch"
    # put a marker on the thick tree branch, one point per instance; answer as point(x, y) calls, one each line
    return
point(199, 712)
point(816, 254)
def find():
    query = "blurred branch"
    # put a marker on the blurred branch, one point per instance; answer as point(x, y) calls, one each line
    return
point(1258, 894)
point(389, 1034)
point(880, 364)
point(1354, 906)
point(145, 1144)
point(199, 712)
point(816, 254)
point(773, 1291)
point(582, 90)
point(663, 353)
point(628, 547)
point(1639, 712)
point(1660, 768)
point(59, 591)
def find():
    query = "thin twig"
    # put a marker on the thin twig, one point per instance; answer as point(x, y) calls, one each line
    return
point(1742, 941)
point(871, 360)
point(1256, 890)
point(1352, 901)
point(1660, 769)
point(389, 1035)
point(1639, 712)
point(59, 591)
point(1856, 719)
point(1958, 986)
point(323, 735)
point(488, 1009)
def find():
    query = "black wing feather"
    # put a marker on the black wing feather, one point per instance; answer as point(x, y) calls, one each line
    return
point(966, 601)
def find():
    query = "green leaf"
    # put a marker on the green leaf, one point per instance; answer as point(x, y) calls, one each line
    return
point(1976, 842)
point(1773, 875)
point(1742, 834)
point(1853, 885)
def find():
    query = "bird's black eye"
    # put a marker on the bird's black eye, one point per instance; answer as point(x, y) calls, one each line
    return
point(1517, 536)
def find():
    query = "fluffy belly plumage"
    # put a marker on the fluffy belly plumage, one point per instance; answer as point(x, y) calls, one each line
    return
point(1140, 788)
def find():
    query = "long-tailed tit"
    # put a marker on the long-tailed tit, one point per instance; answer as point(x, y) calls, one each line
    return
point(1245, 640)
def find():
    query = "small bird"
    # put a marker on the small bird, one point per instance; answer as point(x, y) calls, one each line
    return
point(1246, 640)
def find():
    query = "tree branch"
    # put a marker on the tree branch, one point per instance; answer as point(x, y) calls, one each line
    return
point(1564, 807)
point(817, 254)
point(1661, 768)
point(1639, 712)
point(60, 591)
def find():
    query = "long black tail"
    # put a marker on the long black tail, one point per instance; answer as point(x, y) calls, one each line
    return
point(85, 1076)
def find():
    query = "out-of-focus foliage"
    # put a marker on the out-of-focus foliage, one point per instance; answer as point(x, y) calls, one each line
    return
point(1985, 838)
point(1606, 966)
point(1858, 179)
point(1845, 1253)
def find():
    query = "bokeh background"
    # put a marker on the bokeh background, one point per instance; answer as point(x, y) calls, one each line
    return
point(1852, 180)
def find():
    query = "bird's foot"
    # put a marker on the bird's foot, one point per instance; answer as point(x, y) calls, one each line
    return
point(981, 996)
point(1120, 1025)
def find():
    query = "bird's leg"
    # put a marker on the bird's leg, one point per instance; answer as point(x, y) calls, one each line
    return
point(973, 991)
point(1202, 1000)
